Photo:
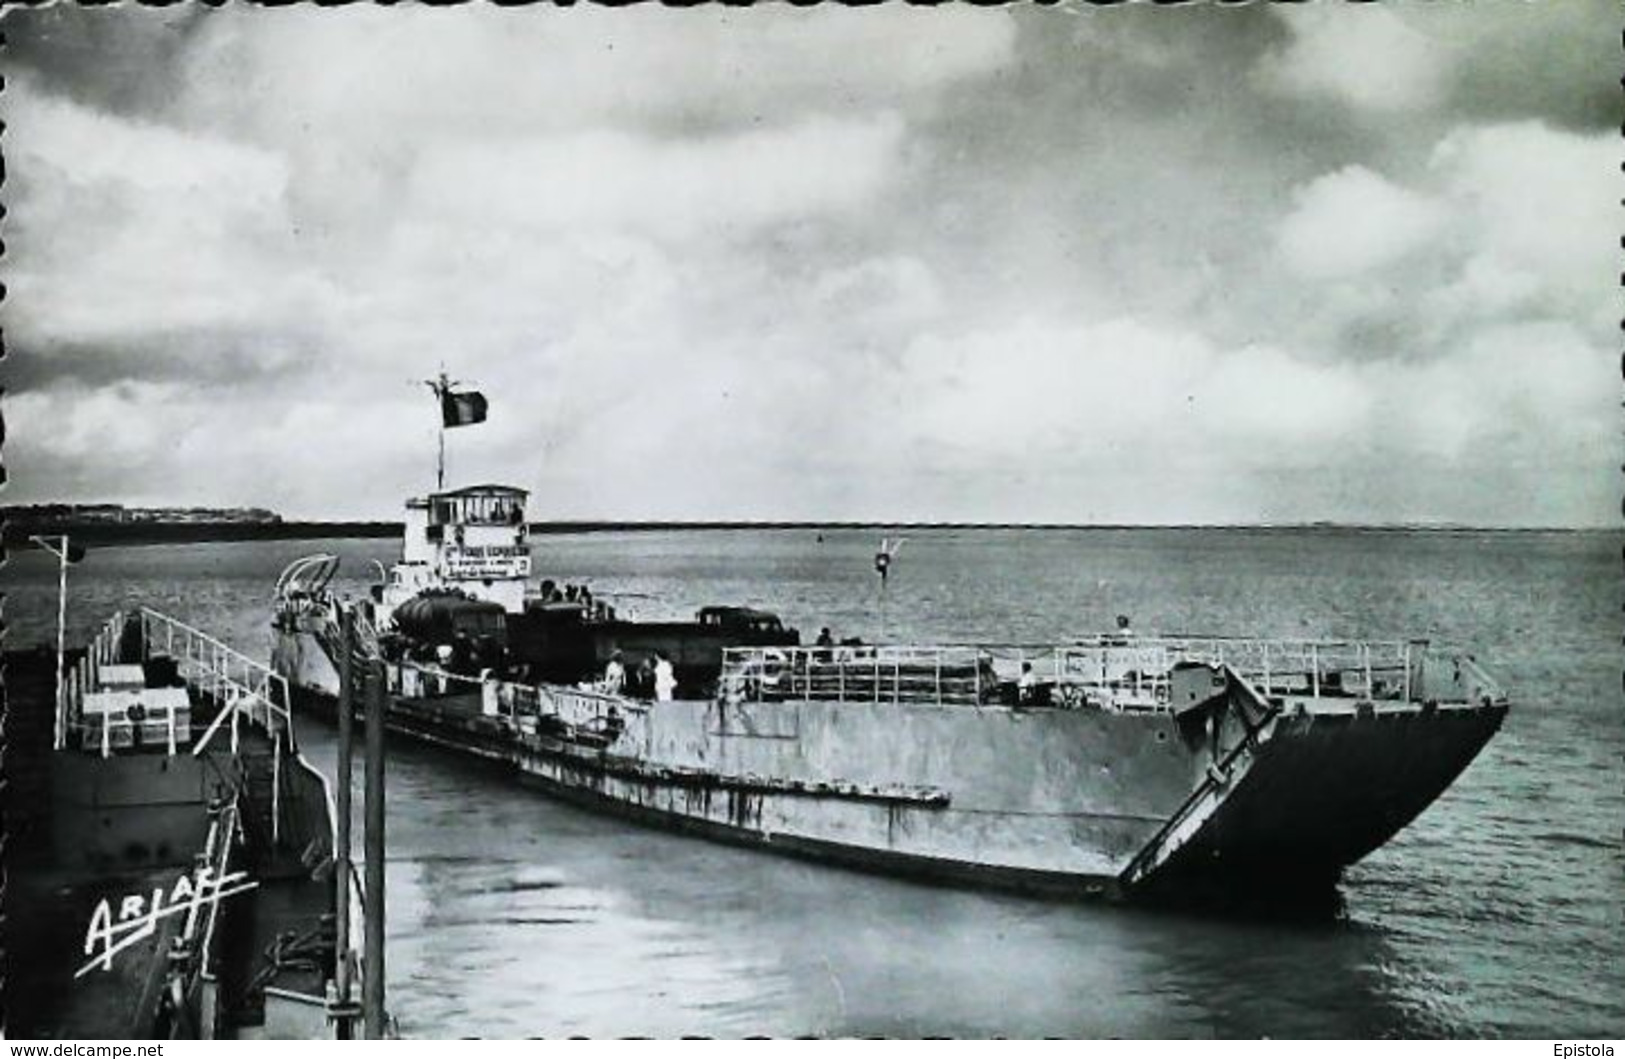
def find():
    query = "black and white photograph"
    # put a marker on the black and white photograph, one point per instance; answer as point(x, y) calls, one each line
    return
point(813, 521)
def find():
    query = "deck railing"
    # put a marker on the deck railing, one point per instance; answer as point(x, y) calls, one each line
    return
point(84, 677)
point(503, 698)
point(242, 686)
point(859, 674)
point(1372, 669)
point(1121, 671)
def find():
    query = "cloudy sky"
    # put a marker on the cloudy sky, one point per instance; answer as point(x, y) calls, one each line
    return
point(1267, 263)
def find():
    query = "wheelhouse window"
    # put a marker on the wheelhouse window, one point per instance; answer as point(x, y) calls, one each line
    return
point(496, 507)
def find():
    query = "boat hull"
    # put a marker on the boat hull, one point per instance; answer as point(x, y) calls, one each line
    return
point(1065, 802)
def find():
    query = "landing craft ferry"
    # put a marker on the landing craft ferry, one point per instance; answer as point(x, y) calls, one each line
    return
point(1115, 765)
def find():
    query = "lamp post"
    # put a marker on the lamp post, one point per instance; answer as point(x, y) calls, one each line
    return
point(65, 554)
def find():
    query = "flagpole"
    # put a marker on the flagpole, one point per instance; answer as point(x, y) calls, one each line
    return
point(440, 388)
point(456, 410)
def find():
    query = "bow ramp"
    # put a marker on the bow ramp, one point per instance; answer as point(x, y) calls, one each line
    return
point(1295, 786)
point(1237, 723)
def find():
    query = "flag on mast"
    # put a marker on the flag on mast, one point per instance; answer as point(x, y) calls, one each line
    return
point(461, 409)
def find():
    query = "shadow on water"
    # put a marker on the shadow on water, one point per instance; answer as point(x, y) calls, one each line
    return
point(1264, 900)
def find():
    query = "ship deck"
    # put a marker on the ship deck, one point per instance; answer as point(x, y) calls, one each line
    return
point(118, 814)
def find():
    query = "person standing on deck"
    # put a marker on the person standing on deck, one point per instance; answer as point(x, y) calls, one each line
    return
point(665, 678)
point(1026, 685)
point(614, 675)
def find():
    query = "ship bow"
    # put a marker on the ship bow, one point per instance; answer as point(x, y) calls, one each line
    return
point(1302, 790)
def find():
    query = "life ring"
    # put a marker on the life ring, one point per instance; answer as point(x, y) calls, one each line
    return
point(136, 713)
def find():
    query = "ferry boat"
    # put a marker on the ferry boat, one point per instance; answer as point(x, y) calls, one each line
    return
point(1118, 765)
point(170, 852)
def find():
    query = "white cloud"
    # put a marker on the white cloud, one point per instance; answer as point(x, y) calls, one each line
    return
point(1540, 203)
point(1095, 395)
point(491, 73)
point(1504, 224)
point(1369, 57)
point(1352, 222)
point(719, 187)
point(876, 298)
point(123, 227)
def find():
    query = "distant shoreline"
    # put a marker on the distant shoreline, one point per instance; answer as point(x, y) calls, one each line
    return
point(92, 533)
point(121, 533)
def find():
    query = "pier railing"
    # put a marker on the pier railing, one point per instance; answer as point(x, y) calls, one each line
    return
point(1123, 671)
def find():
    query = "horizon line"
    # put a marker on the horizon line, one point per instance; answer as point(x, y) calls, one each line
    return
point(815, 524)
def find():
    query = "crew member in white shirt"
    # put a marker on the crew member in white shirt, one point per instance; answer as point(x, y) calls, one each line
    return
point(614, 674)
